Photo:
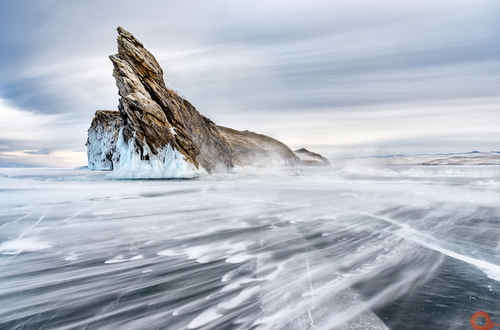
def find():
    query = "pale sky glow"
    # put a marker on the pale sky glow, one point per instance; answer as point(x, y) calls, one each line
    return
point(340, 77)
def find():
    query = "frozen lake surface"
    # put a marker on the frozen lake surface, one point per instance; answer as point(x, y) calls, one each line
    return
point(355, 246)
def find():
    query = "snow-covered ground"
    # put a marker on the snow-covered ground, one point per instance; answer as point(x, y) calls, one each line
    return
point(360, 245)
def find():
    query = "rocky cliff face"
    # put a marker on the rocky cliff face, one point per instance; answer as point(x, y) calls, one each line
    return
point(159, 134)
point(156, 119)
point(102, 140)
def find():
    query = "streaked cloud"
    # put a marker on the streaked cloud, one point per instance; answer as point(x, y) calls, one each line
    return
point(345, 74)
point(38, 138)
point(59, 158)
point(25, 126)
point(45, 151)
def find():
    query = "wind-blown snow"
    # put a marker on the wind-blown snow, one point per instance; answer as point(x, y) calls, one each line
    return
point(353, 246)
point(17, 246)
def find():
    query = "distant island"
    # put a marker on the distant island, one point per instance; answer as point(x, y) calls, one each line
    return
point(451, 159)
point(157, 134)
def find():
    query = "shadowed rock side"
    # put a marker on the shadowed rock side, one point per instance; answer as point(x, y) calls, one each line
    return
point(158, 134)
point(102, 140)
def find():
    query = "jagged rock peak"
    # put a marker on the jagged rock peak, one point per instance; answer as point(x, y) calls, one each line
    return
point(124, 33)
point(146, 105)
point(156, 118)
point(140, 59)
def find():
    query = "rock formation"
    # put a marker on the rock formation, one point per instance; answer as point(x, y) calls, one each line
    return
point(158, 134)
point(102, 140)
point(257, 150)
point(309, 158)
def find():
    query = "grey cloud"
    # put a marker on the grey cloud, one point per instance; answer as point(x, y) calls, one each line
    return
point(352, 40)
point(45, 151)
point(328, 83)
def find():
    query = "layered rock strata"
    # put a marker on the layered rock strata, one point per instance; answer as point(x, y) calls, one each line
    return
point(158, 134)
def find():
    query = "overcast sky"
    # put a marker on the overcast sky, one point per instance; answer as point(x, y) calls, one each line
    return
point(342, 77)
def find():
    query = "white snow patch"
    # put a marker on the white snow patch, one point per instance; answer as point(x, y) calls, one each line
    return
point(211, 252)
point(115, 260)
point(207, 316)
point(120, 258)
point(244, 295)
point(238, 259)
point(231, 286)
point(71, 257)
point(27, 244)
point(169, 253)
point(275, 274)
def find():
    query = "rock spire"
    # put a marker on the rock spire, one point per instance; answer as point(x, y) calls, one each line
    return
point(155, 116)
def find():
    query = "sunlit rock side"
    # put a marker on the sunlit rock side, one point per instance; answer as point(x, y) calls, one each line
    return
point(158, 134)
point(309, 158)
point(102, 141)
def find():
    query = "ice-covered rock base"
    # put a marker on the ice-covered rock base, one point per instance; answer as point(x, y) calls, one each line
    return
point(167, 164)
point(101, 142)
